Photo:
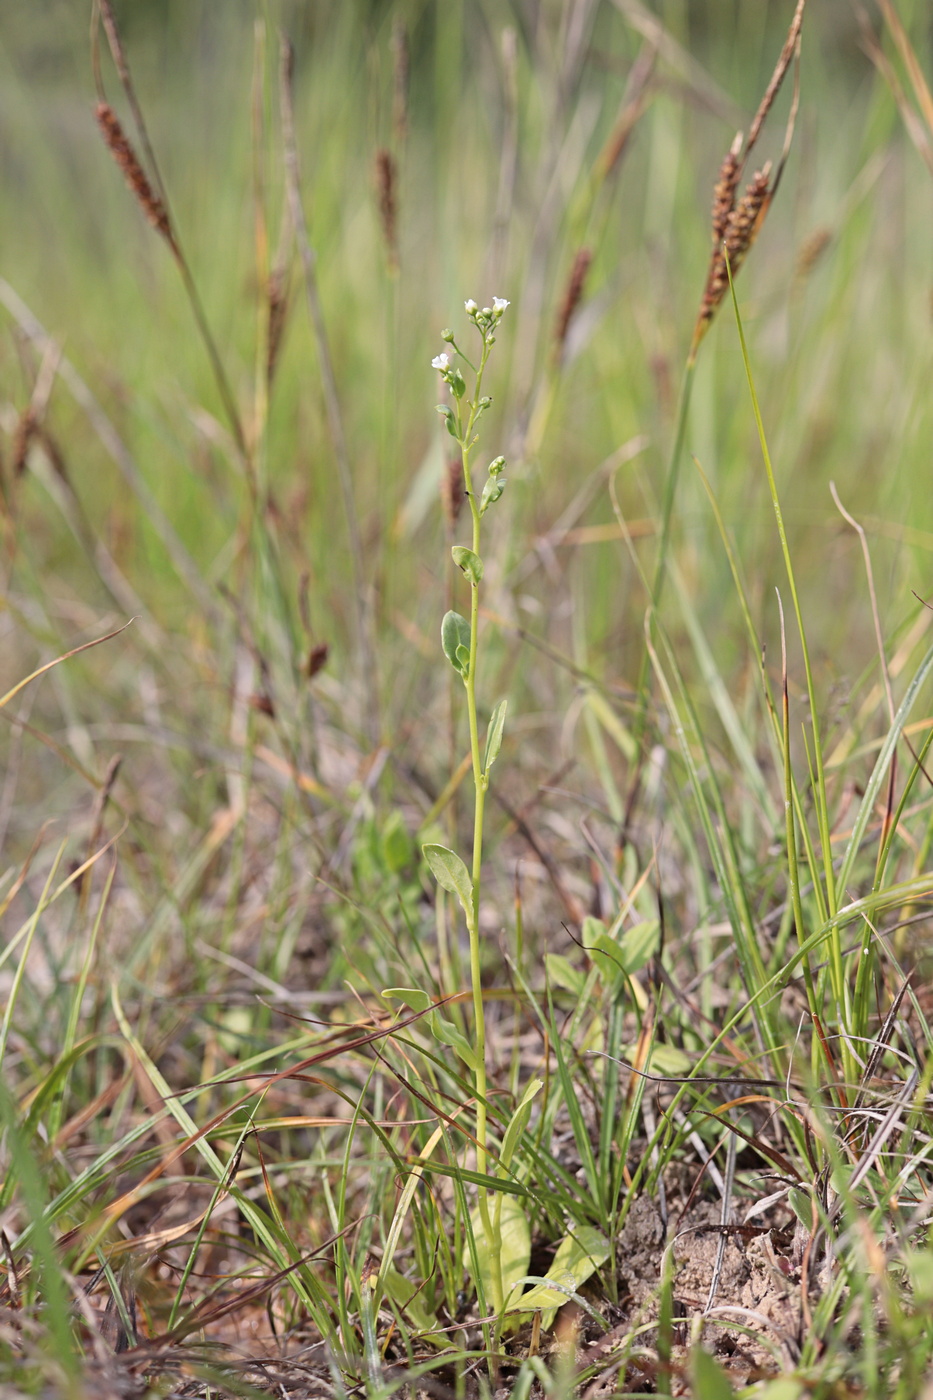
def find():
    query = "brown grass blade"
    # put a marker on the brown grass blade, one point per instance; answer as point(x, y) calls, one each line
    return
point(909, 59)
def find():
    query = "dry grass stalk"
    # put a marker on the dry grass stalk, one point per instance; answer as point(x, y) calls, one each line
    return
point(401, 70)
point(919, 128)
point(638, 95)
point(812, 249)
point(126, 158)
point(735, 225)
point(386, 184)
point(573, 293)
point(23, 435)
point(317, 659)
point(453, 491)
point(52, 451)
point(277, 303)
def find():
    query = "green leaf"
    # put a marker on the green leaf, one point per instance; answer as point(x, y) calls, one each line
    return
point(578, 1256)
point(666, 1059)
point(517, 1126)
point(614, 956)
point(784, 1389)
point(494, 734)
point(561, 971)
point(409, 1298)
point(491, 492)
point(457, 383)
point(514, 1244)
point(638, 945)
point(448, 1034)
point(397, 845)
point(455, 637)
point(451, 874)
point(710, 1381)
point(920, 1270)
point(412, 997)
point(447, 414)
point(463, 661)
point(801, 1203)
point(471, 564)
point(606, 716)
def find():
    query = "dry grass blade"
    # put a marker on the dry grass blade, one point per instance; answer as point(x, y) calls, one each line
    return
point(909, 58)
point(86, 646)
point(921, 135)
point(386, 180)
point(115, 447)
point(638, 94)
point(573, 293)
point(401, 78)
point(791, 44)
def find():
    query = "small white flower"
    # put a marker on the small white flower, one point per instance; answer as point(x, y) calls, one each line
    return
point(470, 307)
point(441, 362)
point(499, 304)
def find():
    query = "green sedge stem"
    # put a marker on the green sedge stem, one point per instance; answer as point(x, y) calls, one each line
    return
point(664, 541)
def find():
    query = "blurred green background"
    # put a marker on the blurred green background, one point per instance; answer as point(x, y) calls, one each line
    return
point(496, 121)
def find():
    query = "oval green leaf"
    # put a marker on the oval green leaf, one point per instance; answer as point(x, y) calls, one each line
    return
point(514, 1245)
point(455, 637)
point(517, 1126)
point(578, 1256)
point(447, 1033)
point(471, 564)
point(451, 874)
point(494, 734)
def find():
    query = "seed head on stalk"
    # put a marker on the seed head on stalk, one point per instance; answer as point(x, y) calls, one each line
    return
point(735, 222)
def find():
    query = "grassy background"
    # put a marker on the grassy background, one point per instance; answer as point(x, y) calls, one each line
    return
point(240, 896)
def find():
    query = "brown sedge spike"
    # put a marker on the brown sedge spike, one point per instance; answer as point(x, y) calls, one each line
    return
point(126, 158)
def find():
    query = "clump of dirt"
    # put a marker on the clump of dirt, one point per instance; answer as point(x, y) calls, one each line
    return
point(745, 1281)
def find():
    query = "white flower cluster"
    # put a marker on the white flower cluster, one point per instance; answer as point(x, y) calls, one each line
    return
point(485, 321)
point(488, 313)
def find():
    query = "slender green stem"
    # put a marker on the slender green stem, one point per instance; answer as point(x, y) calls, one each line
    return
point(664, 540)
point(837, 976)
point(480, 784)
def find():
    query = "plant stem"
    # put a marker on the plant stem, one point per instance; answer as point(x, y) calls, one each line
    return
point(480, 784)
point(664, 540)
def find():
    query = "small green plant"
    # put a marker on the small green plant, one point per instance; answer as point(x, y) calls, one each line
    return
point(460, 641)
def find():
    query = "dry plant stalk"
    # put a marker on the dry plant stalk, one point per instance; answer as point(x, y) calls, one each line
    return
point(919, 127)
point(386, 184)
point(133, 172)
point(401, 71)
point(735, 224)
point(277, 303)
point(453, 490)
point(573, 293)
point(639, 93)
point(812, 249)
point(25, 431)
